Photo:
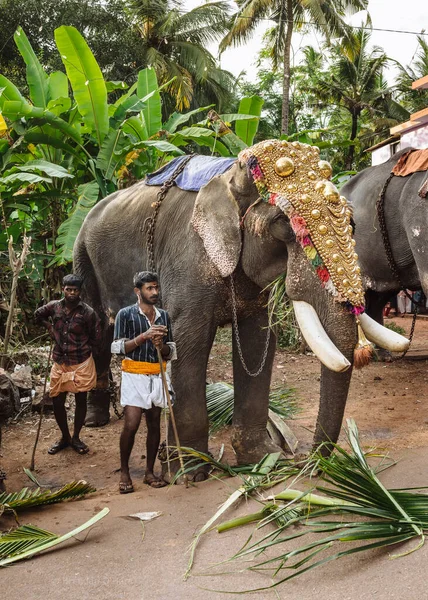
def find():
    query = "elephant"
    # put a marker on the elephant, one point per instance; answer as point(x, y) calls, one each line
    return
point(216, 250)
point(406, 221)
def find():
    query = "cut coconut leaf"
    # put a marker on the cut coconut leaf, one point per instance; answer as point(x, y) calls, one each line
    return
point(288, 436)
point(26, 537)
point(220, 398)
point(26, 498)
point(27, 540)
point(262, 468)
point(368, 511)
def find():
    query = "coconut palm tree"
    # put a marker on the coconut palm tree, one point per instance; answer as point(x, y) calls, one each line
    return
point(414, 100)
point(354, 83)
point(175, 44)
point(325, 16)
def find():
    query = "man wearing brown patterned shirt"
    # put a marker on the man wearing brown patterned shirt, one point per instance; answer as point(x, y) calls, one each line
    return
point(75, 330)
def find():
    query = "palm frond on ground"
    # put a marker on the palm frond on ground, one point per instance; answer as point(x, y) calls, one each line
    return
point(220, 398)
point(370, 514)
point(270, 471)
point(27, 540)
point(27, 498)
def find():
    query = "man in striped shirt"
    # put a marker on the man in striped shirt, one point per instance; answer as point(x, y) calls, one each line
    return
point(140, 330)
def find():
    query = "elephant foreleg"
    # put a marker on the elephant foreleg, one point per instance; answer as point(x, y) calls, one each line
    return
point(250, 440)
point(194, 341)
point(375, 303)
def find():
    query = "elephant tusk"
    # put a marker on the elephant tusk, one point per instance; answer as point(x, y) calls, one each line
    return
point(317, 338)
point(382, 336)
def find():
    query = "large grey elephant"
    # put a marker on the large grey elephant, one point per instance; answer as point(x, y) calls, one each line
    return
point(216, 250)
point(406, 221)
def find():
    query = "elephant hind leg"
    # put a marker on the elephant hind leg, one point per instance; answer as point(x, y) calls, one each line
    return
point(98, 411)
point(194, 340)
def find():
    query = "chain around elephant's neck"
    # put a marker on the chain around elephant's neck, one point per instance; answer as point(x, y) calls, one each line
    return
point(238, 341)
point(151, 221)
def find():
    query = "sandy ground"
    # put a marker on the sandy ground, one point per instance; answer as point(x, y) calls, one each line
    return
point(121, 560)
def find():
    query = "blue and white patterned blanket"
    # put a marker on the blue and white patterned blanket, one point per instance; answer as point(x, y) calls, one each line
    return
point(198, 171)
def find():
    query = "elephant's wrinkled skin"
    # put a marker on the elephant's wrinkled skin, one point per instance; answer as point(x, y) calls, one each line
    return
point(111, 247)
point(406, 216)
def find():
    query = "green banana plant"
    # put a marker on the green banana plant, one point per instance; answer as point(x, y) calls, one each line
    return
point(66, 152)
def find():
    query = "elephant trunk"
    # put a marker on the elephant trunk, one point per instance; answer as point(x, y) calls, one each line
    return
point(341, 328)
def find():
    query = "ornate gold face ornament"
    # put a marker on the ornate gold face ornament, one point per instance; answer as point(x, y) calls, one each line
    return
point(292, 177)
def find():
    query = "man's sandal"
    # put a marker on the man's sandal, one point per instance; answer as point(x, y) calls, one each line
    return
point(79, 446)
point(155, 482)
point(126, 488)
point(58, 446)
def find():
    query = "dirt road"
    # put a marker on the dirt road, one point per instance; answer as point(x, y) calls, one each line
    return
point(390, 405)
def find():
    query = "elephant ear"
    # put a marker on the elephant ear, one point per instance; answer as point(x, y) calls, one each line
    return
point(216, 219)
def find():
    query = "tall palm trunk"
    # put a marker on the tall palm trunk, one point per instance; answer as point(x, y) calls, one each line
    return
point(286, 81)
point(351, 152)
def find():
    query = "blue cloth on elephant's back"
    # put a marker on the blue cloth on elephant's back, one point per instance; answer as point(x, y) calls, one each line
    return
point(198, 171)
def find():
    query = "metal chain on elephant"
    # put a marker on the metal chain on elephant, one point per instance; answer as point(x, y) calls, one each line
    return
point(238, 341)
point(113, 397)
point(151, 221)
point(380, 208)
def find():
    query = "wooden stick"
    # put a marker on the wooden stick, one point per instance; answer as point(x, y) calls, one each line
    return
point(171, 412)
point(41, 410)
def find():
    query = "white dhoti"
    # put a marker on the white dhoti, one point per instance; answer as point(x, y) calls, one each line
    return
point(144, 391)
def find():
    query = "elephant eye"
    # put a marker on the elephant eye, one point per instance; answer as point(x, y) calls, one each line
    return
point(281, 229)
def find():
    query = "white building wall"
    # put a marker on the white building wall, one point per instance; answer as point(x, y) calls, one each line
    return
point(381, 155)
point(417, 138)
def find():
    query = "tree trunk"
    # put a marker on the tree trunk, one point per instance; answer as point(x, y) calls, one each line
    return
point(286, 81)
point(351, 152)
point(16, 265)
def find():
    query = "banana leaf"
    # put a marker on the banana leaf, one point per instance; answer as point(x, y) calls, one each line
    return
point(246, 130)
point(24, 178)
point(148, 84)
point(86, 79)
point(58, 85)
point(109, 157)
point(9, 92)
point(37, 78)
point(177, 119)
point(37, 137)
point(51, 169)
point(68, 230)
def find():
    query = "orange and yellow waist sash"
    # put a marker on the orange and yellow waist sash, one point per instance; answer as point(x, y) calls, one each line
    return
point(141, 367)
